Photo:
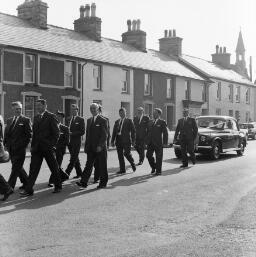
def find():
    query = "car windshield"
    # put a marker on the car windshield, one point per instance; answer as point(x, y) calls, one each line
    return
point(210, 122)
point(244, 126)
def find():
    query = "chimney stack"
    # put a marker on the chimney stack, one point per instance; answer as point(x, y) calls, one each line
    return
point(221, 57)
point(135, 36)
point(170, 45)
point(35, 11)
point(89, 25)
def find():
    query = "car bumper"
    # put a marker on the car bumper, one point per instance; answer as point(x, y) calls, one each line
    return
point(198, 148)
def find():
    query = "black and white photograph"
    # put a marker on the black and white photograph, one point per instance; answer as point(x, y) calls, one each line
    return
point(128, 128)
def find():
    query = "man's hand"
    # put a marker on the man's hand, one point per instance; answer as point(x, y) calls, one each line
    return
point(98, 149)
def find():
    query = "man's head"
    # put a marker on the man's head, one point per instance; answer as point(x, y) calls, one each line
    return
point(16, 108)
point(60, 116)
point(122, 112)
point(41, 105)
point(157, 113)
point(140, 111)
point(185, 112)
point(74, 109)
point(94, 108)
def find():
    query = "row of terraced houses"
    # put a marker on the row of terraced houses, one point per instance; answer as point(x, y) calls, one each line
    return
point(65, 66)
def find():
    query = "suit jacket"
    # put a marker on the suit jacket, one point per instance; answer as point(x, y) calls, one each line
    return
point(127, 133)
point(77, 129)
point(19, 136)
point(108, 127)
point(96, 134)
point(63, 140)
point(45, 132)
point(186, 129)
point(157, 133)
point(141, 127)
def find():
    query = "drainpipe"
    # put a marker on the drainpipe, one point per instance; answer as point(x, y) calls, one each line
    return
point(82, 89)
point(1, 77)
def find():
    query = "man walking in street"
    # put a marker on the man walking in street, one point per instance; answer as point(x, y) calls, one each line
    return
point(141, 126)
point(45, 137)
point(77, 130)
point(123, 137)
point(18, 133)
point(95, 148)
point(186, 130)
point(61, 146)
point(157, 138)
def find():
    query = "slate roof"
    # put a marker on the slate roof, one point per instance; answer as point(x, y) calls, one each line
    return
point(20, 33)
point(215, 71)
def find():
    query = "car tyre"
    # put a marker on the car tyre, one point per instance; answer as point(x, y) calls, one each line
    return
point(254, 136)
point(215, 152)
point(177, 153)
point(241, 151)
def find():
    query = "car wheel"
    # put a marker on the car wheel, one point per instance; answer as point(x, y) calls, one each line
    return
point(241, 151)
point(215, 152)
point(177, 153)
point(254, 137)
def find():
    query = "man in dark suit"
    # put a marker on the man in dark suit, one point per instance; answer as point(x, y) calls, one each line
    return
point(96, 164)
point(95, 147)
point(45, 137)
point(157, 138)
point(123, 137)
point(18, 133)
point(77, 130)
point(61, 146)
point(187, 132)
point(141, 127)
point(5, 188)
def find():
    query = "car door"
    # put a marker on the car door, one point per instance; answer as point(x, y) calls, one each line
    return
point(227, 137)
point(235, 133)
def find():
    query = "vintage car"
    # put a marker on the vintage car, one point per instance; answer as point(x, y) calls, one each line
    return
point(251, 128)
point(216, 135)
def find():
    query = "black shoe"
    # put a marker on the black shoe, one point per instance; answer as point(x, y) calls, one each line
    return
point(81, 184)
point(193, 162)
point(77, 176)
point(153, 171)
point(7, 194)
point(95, 181)
point(183, 166)
point(121, 172)
point(22, 187)
point(56, 190)
point(50, 185)
point(133, 167)
point(158, 174)
point(139, 163)
point(101, 186)
point(25, 193)
point(64, 176)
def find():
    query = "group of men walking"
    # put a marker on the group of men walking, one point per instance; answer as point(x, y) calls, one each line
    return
point(50, 139)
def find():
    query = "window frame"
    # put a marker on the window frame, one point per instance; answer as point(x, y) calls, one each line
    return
point(248, 91)
point(188, 89)
point(231, 93)
point(238, 94)
point(219, 91)
point(33, 68)
point(150, 84)
point(127, 81)
point(72, 74)
point(98, 80)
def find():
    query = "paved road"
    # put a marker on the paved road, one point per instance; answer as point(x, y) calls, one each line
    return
point(205, 210)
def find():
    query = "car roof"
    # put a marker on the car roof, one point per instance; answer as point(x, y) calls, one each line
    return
point(217, 117)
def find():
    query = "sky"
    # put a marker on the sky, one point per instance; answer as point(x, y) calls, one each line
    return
point(201, 23)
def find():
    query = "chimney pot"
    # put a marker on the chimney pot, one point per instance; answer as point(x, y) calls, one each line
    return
point(166, 33)
point(87, 10)
point(129, 24)
point(170, 33)
point(217, 49)
point(138, 24)
point(224, 49)
point(174, 33)
point(134, 23)
point(220, 50)
point(93, 10)
point(82, 10)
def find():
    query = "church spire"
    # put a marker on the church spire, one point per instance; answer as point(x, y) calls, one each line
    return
point(240, 44)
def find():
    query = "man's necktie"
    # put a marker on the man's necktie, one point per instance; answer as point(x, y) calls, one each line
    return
point(92, 121)
point(71, 121)
point(13, 123)
point(120, 126)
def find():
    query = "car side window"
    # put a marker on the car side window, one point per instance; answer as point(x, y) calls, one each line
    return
point(234, 125)
point(228, 124)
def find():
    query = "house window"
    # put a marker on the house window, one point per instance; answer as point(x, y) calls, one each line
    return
point(247, 96)
point(187, 90)
point(97, 77)
point(125, 81)
point(30, 65)
point(30, 106)
point(69, 74)
point(237, 115)
point(148, 109)
point(230, 96)
point(247, 117)
point(148, 87)
point(80, 76)
point(230, 113)
point(204, 92)
point(169, 88)
point(219, 91)
point(218, 111)
point(97, 102)
point(237, 96)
